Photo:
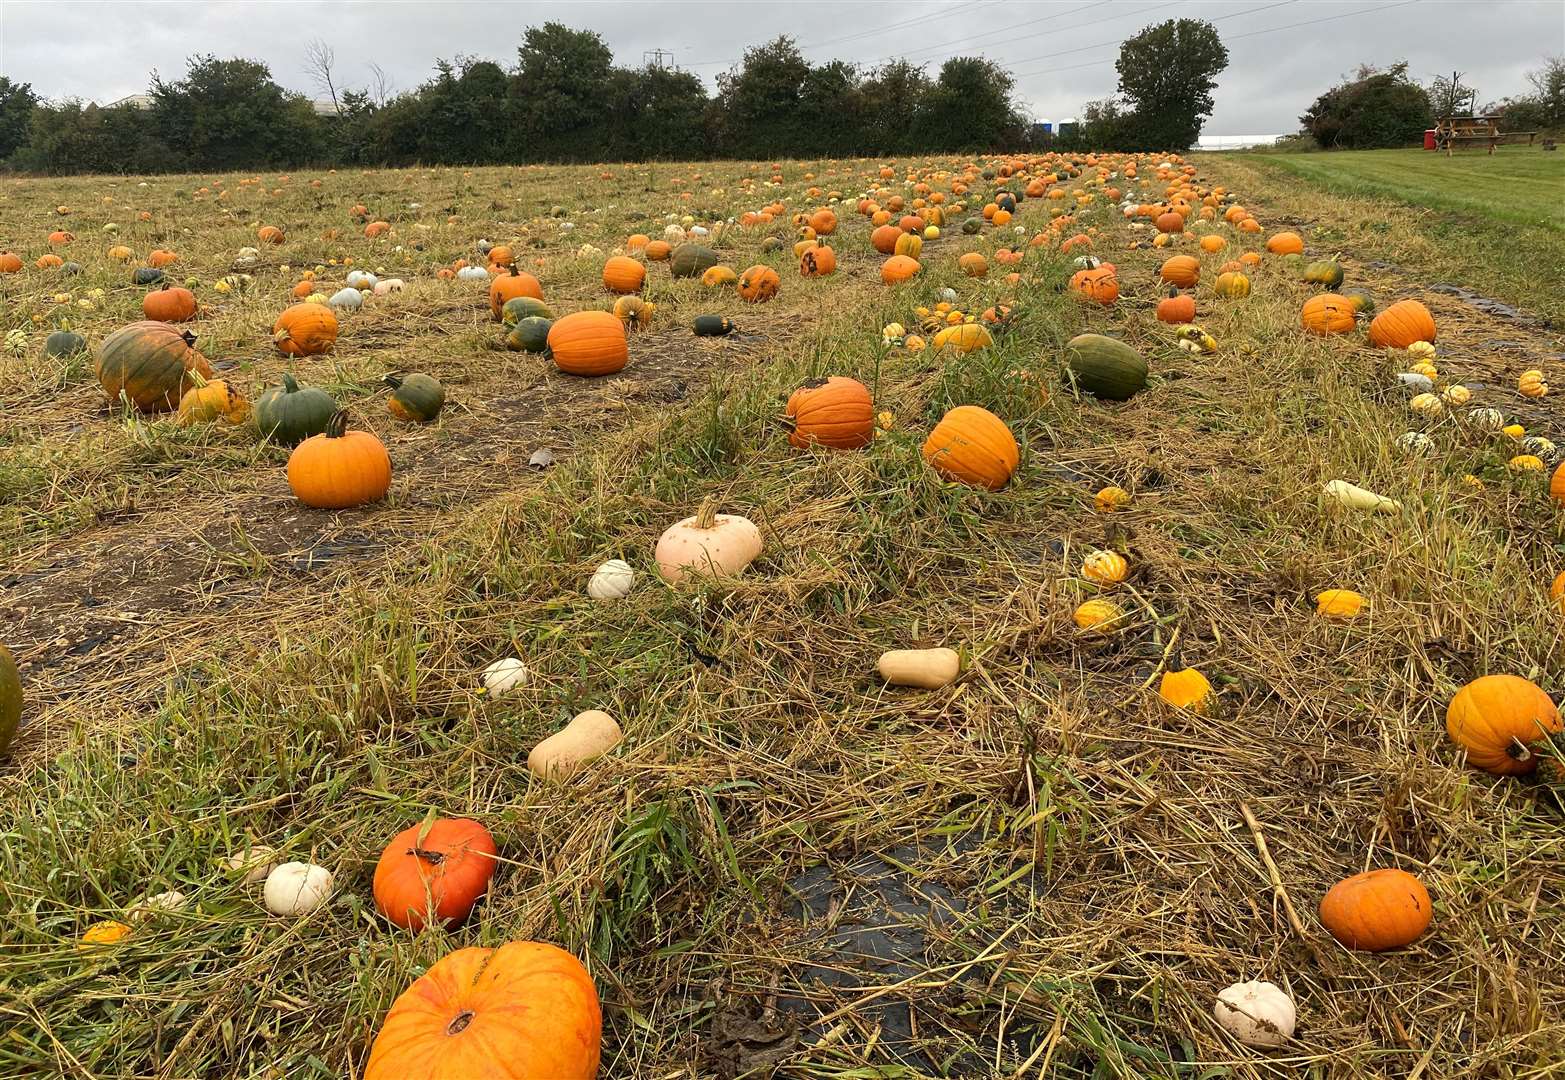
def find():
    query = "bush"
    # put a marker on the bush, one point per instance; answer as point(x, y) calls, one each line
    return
point(1376, 109)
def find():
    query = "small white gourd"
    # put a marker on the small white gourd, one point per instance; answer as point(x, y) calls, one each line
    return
point(161, 903)
point(351, 299)
point(251, 864)
point(296, 888)
point(611, 581)
point(1258, 1014)
point(504, 675)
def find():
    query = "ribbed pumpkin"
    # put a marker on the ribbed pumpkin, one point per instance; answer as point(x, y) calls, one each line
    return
point(885, 239)
point(510, 284)
point(622, 274)
point(1328, 313)
point(1377, 910)
point(818, 261)
point(151, 364)
point(1099, 284)
point(1497, 719)
point(909, 244)
point(973, 264)
point(417, 398)
point(1402, 324)
point(899, 268)
point(691, 260)
point(290, 413)
point(1232, 285)
point(1179, 308)
point(339, 468)
point(1170, 223)
point(530, 334)
point(964, 337)
point(634, 312)
point(1181, 270)
point(1325, 272)
point(1105, 367)
point(589, 343)
point(217, 400)
point(169, 304)
point(524, 307)
point(835, 412)
point(758, 284)
point(524, 1011)
point(440, 868)
point(305, 330)
point(973, 445)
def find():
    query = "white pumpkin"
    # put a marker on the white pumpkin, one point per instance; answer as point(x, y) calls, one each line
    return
point(1416, 382)
point(611, 581)
point(1538, 446)
point(361, 279)
point(1258, 1014)
point(158, 904)
point(948, 295)
point(297, 888)
point(348, 298)
point(1087, 262)
point(473, 273)
point(504, 675)
point(673, 234)
point(251, 864)
point(388, 285)
point(698, 231)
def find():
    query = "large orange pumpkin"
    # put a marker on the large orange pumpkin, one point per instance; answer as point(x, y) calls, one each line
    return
point(305, 330)
point(510, 284)
point(1497, 719)
point(1285, 243)
point(885, 239)
point(1328, 313)
point(758, 284)
point(339, 468)
point(899, 268)
point(1377, 910)
point(589, 343)
point(1099, 283)
point(150, 364)
point(835, 412)
point(973, 445)
point(622, 274)
point(1179, 308)
point(440, 869)
point(524, 1011)
point(1401, 324)
point(1170, 223)
point(171, 303)
point(1181, 270)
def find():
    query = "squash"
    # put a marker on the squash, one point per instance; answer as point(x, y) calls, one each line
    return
point(63, 344)
point(150, 365)
point(1357, 498)
point(1326, 272)
point(305, 330)
point(1339, 604)
point(621, 274)
point(216, 400)
point(1232, 285)
point(525, 307)
point(1105, 367)
point(1401, 325)
point(973, 446)
point(289, 414)
point(504, 675)
point(1186, 689)
point(927, 668)
point(589, 735)
point(589, 343)
point(692, 260)
point(1328, 313)
point(509, 285)
point(1377, 910)
point(707, 543)
point(712, 326)
point(416, 398)
point(1258, 1014)
point(10, 699)
point(339, 468)
point(964, 338)
point(1498, 719)
point(835, 412)
point(611, 581)
point(297, 888)
point(1098, 617)
point(438, 868)
point(530, 335)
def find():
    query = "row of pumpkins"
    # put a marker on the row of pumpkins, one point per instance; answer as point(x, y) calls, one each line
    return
point(439, 869)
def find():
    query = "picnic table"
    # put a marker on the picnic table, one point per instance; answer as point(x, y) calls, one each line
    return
point(1456, 132)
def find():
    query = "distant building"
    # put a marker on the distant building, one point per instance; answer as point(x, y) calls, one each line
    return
point(322, 107)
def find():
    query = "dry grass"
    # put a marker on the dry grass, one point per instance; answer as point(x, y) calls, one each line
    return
point(788, 869)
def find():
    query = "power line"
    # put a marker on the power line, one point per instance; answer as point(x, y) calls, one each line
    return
point(1007, 30)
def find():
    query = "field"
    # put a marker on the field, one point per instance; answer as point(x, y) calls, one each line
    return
point(788, 868)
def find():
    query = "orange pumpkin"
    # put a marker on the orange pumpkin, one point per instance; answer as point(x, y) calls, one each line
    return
point(339, 468)
point(269, 234)
point(658, 250)
point(524, 1011)
point(377, 228)
point(758, 284)
point(835, 412)
point(1328, 313)
point(1181, 270)
point(885, 239)
point(305, 330)
point(441, 868)
point(501, 255)
point(1285, 243)
point(510, 284)
point(622, 274)
point(972, 445)
point(162, 257)
point(899, 268)
point(60, 236)
point(1212, 243)
point(171, 303)
point(818, 261)
point(1170, 223)
point(973, 264)
point(48, 261)
point(150, 365)
point(1377, 910)
point(1402, 324)
point(10, 262)
point(589, 343)
point(1100, 284)
point(1497, 719)
point(824, 222)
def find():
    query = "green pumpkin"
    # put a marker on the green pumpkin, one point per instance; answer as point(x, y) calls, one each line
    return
point(771, 243)
point(146, 275)
point(1105, 367)
point(1293, 262)
point(1362, 302)
point(290, 413)
point(524, 307)
point(1326, 272)
point(63, 344)
point(712, 326)
point(530, 335)
point(972, 225)
point(10, 699)
point(692, 260)
point(415, 398)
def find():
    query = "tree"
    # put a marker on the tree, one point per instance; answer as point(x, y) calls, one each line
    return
point(1167, 74)
point(760, 101)
point(561, 83)
point(892, 98)
point(229, 114)
point(1105, 124)
point(74, 138)
point(1372, 109)
point(969, 108)
point(1548, 84)
point(17, 102)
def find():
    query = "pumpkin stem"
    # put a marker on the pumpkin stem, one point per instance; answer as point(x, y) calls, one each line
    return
point(436, 857)
point(1518, 750)
point(337, 426)
point(459, 1022)
point(189, 338)
point(706, 517)
point(290, 384)
point(392, 381)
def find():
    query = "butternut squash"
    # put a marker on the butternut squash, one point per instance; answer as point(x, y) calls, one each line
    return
point(927, 668)
point(589, 735)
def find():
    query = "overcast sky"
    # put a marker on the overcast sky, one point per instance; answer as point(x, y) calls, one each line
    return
point(1062, 51)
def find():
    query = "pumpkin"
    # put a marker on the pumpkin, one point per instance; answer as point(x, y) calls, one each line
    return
point(347, 298)
point(899, 268)
point(1186, 689)
point(439, 868)
point(884, 239)
point(530, 335)
point(339, 468)
point(305, 330)
point(835, 412)
point(1339, 604)
point(48, 261)
point(504, 675)
point(523, 1011)
point(251, 864)
point(973, 446)
point(1497, 719)
point(1105, 367)
point(707, 543)
point(297, 888)
point(150, 364)
point(1328, 313)
point(216, 400)
point(718, 276)
point(1258, 1014)
point(589, 343)
point(1105, 567)
point(1181, 270)
point(621, 274)
point(104, 932)
point(1326, 272)
point(118, 252)
point(611, 581)
point(1100, 284)
point(909, 244)
point(589, 735)
point(1402, 324)
point(1285, 243)
point(289, 414)
point(824, 222)
point(758, 284)
point(818, 261)
point(1362, 302)
point(1212, 243)
point(416, 398)
point(929, 669)
point(511, 284)
point(64, 343)
point(1232, 285)
point(169, 304)
point(711, 326)
point(691, 260)
point(964, 337)
point(1110, 499)
point(269, 234)
point(1178, 308)
point(1170, 223)
point(658, 250)
point(1376, 910)
point(524, 307)
point(146, 275)
point(973, 264)
point(501, 255)
point(1096, 617)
